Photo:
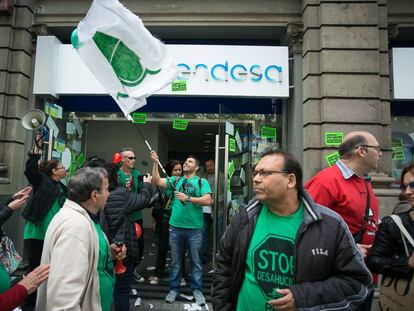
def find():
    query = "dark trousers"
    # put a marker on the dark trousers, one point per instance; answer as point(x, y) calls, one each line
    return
point(206, 255)
point(366, 306)
point(163, 245)
point(33, 248)
point(123, 287)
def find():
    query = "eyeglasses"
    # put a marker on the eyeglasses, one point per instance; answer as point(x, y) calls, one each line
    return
point(61, 167)
point(266, 173)
point(131, 158)
point(410, 185)
point(377, 148)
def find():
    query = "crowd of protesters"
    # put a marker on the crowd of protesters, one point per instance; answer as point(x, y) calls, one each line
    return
point(292, 247)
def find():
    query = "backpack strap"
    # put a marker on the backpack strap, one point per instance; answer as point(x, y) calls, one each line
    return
point(403, 231)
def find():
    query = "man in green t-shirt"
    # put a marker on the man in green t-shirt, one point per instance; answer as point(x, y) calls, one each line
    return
point(191, 193)
point(285, 252)
point(131, 178)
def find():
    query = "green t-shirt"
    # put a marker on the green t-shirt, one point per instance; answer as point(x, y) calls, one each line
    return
point(270, 259)
point(186, 214)
point(105, 271)
point(38, 232)
point(136, 187)
point(4, 279)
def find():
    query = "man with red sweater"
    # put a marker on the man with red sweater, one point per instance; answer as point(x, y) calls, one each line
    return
point(345, 188)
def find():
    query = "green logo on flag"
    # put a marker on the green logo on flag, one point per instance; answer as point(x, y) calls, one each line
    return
point(124, 62)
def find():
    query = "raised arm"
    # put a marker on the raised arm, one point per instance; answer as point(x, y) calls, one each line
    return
point(156, 178)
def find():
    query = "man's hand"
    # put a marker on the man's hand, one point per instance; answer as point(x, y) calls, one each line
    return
point(147, 178)
point(154, 156)
point(364, 248)
point(32, 280)
point(287, 302)
point(118, 251)
point(180, 196)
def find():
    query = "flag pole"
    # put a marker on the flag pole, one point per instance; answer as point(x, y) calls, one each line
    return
point(158, 161)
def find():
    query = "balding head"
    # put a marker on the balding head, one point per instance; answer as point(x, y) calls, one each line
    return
point(361, 148)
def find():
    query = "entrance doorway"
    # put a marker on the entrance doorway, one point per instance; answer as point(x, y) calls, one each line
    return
point(234, 140)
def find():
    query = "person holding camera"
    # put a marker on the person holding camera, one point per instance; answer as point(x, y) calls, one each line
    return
point(120, 228)
point(132, 180)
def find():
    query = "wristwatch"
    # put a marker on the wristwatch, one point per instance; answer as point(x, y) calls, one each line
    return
point(188, 199)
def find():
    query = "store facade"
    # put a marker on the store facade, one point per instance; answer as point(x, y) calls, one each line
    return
point(339, 74)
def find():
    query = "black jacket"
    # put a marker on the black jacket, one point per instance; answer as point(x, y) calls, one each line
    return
point(339, 280)
point(388, 253)
point(45, 191)
point(116, 217)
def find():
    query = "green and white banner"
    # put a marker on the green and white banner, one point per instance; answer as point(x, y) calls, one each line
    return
point(122, 54)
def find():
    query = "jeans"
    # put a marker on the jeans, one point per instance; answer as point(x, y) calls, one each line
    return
point(180, 238)
point(206, 255)
point(123, 286)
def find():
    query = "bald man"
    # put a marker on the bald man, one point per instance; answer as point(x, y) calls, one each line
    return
point(345, 188)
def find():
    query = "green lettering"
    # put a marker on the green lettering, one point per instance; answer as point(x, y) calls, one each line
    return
point(274, 255)
point(283, 263)
point(262, 255)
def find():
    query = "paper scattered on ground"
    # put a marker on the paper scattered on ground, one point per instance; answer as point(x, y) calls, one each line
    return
point(192, 307)
point(151, 305)
point(150, 268)
point(187, 297)
point(134, 292)
point(137, 302)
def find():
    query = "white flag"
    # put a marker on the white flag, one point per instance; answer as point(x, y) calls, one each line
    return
point(122, 54)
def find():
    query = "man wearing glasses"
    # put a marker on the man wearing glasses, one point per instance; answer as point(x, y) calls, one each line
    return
point(132, 179)
point(345, 188)
point(186, 224)
point(285, 252)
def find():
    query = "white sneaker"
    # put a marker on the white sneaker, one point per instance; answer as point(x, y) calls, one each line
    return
point(139, 278)
point(171, 296)
point(199, 298)
point(154, 280)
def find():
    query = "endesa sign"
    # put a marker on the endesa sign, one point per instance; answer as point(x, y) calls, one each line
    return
point(223, 70)
point(204, 70)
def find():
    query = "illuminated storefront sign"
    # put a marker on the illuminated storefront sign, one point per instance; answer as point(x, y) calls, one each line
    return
point(204, 70)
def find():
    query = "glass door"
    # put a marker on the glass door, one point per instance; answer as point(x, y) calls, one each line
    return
point(240, 141)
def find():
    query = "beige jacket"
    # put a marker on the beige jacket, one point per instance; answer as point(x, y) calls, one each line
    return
point(72, 248)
